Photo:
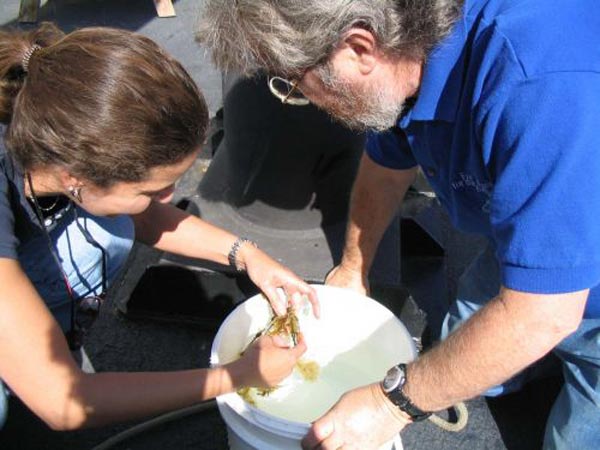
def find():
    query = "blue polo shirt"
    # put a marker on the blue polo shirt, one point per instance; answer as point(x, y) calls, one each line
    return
point(507, 129)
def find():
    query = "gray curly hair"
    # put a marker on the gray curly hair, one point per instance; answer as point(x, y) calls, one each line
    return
point(288, 36)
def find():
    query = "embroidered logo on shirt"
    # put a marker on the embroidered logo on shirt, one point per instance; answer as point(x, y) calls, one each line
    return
point(467, 182)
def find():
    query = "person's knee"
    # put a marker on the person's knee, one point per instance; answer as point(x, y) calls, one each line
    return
point(116, 236)
point(120, 246)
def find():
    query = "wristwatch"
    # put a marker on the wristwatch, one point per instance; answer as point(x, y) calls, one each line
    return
point(392, 385)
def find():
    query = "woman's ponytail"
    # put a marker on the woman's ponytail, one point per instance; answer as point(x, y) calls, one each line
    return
point(18, 52)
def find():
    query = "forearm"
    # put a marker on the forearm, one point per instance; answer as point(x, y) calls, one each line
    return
point(168, 228)
point(54, 388)
point(103, 398)
point(376, 198)
point(511, 332)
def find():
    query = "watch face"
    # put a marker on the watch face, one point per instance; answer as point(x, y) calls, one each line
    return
point(392, 379)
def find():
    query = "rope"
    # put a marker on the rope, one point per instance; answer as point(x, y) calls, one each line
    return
point(462, 417)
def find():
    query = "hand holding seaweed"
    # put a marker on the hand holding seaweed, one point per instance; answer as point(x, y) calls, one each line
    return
point(267, 362)
point(288, 327)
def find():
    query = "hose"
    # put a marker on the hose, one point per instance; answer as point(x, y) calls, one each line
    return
point(460, 409)
point(159, 420)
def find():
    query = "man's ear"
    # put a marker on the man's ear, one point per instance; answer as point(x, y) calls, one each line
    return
point(360, 46)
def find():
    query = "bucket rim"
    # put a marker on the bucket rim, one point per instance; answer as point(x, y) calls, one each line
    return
point(214, 357)
point(264, 419)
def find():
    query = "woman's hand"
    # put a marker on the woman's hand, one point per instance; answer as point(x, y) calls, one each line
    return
point(267, 362)
point(278, 283)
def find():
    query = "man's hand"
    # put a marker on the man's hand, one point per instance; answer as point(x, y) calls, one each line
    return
point(376, 196)
point(363, 419)
point(343, 277)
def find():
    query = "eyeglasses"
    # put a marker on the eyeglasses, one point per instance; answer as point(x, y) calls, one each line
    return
point(287, 91)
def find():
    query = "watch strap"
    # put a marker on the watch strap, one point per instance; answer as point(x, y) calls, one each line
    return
point(398, 398)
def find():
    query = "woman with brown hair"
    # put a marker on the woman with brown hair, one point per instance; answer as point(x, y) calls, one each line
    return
point(99, 125)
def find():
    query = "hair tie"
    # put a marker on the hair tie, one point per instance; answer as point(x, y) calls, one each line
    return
point(25, 63)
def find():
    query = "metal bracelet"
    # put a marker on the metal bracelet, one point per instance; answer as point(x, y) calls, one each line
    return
point(232, 256)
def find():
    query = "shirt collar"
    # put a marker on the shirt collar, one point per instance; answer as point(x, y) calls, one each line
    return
point(441, 84)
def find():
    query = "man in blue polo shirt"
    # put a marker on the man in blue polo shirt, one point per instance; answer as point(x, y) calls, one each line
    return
point(503, 118)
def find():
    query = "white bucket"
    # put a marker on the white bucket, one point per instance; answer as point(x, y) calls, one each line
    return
point(352, 329)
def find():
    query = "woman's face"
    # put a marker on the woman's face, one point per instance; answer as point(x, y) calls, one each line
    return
point(134, 198)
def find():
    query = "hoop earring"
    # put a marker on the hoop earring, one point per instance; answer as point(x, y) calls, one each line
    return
point(75, 192)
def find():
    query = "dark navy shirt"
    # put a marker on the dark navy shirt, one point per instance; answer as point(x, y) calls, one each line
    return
point(507, 129)
point(17, 219)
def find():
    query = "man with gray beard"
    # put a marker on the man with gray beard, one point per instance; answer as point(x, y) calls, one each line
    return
point(504, 99)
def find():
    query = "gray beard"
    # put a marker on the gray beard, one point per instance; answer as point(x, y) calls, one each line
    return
point(360, 110)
